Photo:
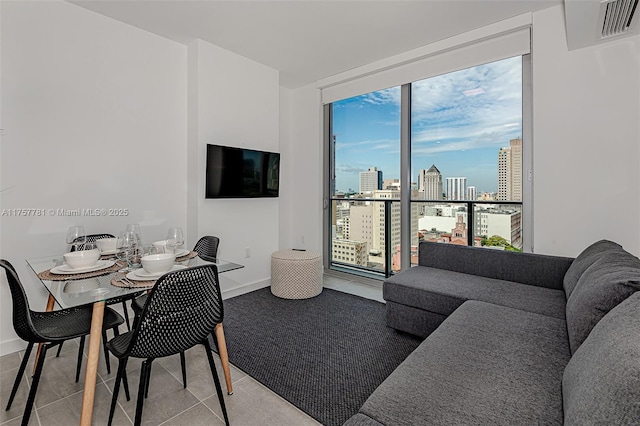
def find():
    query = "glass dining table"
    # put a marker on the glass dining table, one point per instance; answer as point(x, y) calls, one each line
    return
point(99, 288)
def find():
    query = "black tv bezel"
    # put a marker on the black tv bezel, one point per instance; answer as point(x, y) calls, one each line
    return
point(208, 194)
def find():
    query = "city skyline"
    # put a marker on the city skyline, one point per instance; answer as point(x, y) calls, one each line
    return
point(459, 122)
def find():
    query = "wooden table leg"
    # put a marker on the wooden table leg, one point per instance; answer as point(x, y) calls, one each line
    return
point(50, 303)
point(92, 364)
point(224, 357)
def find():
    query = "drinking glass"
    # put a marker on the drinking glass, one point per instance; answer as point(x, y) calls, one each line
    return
point(127, 250)
point(135, 228)
point(76, 237)
point(175, 239)
point(151, 249)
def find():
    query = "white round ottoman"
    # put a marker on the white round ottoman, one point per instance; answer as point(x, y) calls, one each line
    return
point(296, 274)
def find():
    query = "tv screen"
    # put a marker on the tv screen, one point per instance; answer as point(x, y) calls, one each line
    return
point(241, 173)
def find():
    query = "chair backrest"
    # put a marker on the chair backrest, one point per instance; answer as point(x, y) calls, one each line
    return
point(181, 311)
point(21, 313)
point(207, 247)
point(90, 239)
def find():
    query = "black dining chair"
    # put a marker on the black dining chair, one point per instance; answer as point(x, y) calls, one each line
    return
point(182, 310)
point(207, 249)
point(52, 328)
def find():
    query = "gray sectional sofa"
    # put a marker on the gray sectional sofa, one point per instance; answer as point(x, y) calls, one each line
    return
point(514, 339)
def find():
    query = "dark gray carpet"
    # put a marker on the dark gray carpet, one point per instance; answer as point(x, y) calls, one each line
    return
point(325, 355)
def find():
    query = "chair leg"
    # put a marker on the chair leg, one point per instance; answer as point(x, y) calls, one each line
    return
point(216, 380)
point(183, 364)
point(126, 315)
point(34, 385)
point(23, 366)
point(59, 349)
point(80, 352)
point(125, 383)
point(122, 365)
point(106, 351)
point(144, 379)
point(146, 391)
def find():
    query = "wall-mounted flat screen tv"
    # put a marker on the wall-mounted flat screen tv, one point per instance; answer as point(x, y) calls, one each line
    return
point(241, 173)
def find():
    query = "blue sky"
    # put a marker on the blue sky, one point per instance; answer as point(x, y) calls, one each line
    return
point(459, 121)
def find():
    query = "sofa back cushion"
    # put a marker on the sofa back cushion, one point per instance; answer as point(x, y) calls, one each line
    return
point(612, 278)
point(525, 268)
point(583, 261)
point(601, 383)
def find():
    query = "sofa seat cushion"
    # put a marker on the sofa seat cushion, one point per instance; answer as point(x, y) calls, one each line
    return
point(442, 292)
point(486, 364)
point(601, 383)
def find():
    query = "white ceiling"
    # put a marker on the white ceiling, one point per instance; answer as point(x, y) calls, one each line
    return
point(307, 40)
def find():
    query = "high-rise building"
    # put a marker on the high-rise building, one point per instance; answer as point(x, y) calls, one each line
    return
point(516, 169)
point(430, 183)
point(472, 193)
point(510, 171)
point(456, 188)
point(379, 241)
point(370, 180)
point(359, 226)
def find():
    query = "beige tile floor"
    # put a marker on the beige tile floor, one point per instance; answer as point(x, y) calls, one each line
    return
point(58, 400)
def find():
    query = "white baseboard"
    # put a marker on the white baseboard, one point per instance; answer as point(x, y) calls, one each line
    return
point(245, 288)
point(11, 346)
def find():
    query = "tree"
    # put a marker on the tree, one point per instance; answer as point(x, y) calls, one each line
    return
point(498, 241)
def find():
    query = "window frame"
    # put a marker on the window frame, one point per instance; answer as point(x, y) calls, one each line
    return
point(405, 172)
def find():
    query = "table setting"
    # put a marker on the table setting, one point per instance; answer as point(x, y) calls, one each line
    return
point(137, 265)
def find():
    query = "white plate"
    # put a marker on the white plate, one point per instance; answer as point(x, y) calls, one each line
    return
point(66, 270)
point(103, 253)
point(142, 275)
point(182, 252)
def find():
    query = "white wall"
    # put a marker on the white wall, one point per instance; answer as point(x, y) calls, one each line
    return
point(301, 221)
point(586, 143)
point(287, 184)
point(94, 116)
point(237, 104)
point(586, 153)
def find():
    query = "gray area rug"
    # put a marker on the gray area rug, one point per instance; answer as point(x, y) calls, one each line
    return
point(325, 355)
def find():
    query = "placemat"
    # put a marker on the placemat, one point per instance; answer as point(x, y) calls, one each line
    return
point(48, 276)
point(120, 280)
point(190, 255)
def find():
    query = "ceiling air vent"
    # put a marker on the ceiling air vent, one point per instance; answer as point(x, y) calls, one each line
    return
point(592, 22)
point(616, 16)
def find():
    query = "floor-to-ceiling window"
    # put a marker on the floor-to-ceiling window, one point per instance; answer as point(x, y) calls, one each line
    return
point(466, 154)
point(445, 158)
point(365, 151)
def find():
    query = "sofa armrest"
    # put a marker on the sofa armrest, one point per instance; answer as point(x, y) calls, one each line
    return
point(525, 268)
